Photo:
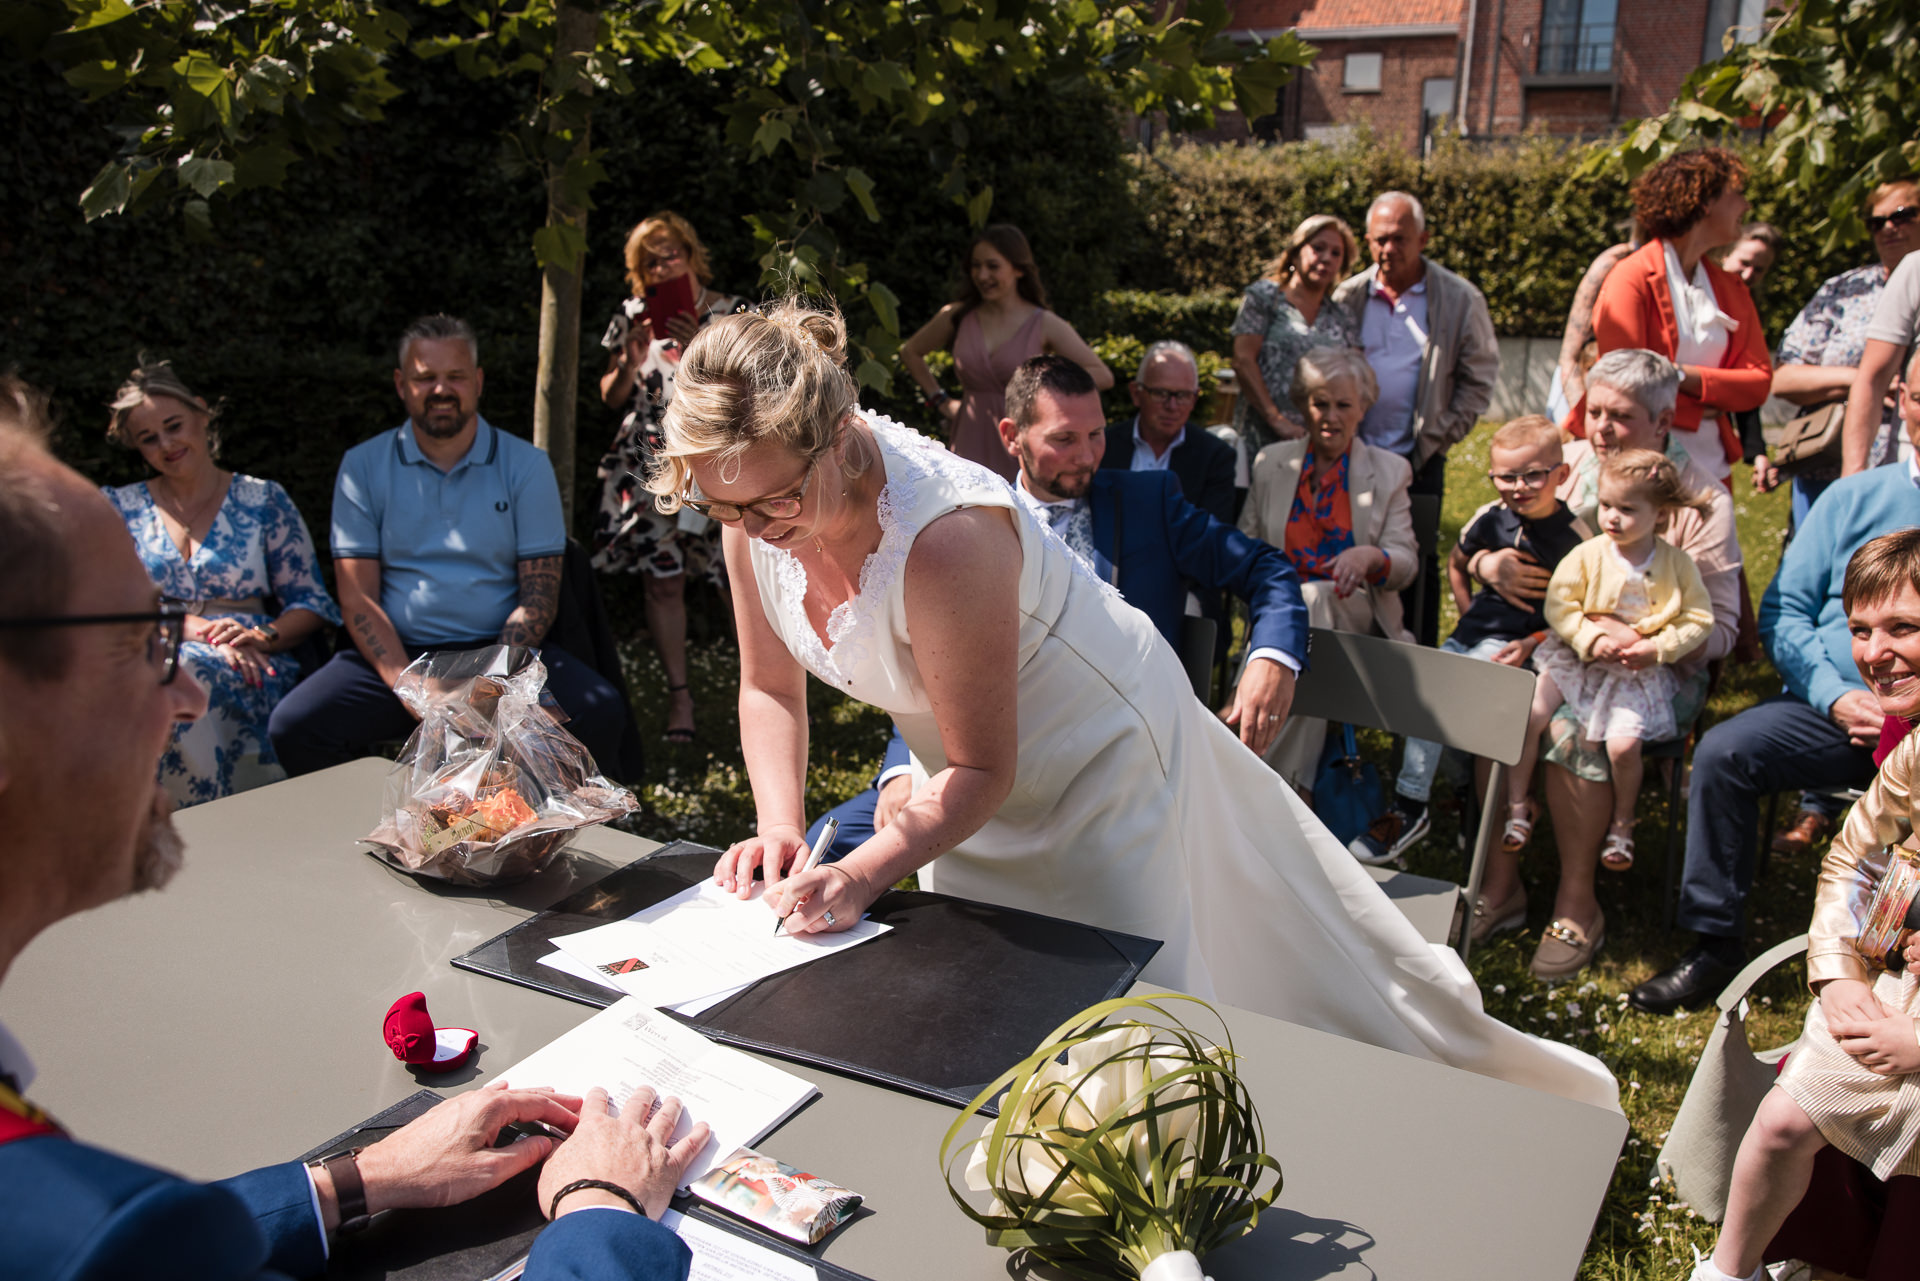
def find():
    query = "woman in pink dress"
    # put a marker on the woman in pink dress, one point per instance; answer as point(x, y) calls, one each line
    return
point(999, 322)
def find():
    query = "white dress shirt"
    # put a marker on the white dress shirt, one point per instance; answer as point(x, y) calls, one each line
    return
point(1144, 459)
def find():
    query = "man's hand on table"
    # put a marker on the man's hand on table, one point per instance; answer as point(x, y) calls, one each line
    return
point(630, 1150)
point(447, 1156)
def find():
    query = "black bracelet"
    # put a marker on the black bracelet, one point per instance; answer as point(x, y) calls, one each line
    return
point(553, 1206)
point(938, 397)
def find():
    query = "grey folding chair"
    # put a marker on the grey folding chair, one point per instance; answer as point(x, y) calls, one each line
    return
point(1465, 703)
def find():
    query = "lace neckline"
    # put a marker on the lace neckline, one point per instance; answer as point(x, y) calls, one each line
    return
point(851, 623)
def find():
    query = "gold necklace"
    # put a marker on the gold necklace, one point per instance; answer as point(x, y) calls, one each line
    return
point(186, 520)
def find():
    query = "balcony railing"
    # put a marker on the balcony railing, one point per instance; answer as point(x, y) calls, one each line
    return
point(1576, 48)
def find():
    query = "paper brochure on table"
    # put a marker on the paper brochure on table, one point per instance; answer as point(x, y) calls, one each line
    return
point(700, 942)
point(586, 973)
point(718, 1255)
point(630, 1044)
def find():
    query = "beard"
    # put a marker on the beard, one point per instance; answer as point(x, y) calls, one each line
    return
point(158, 850)
point(1060, 484)
point(441, 427)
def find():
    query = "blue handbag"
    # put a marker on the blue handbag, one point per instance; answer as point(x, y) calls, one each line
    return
point(1347, 794)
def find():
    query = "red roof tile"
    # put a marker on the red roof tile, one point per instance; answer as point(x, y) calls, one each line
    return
point(1343, 14)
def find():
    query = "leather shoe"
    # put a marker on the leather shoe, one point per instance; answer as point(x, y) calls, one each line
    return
point(1693, 983)
point(1808, 830)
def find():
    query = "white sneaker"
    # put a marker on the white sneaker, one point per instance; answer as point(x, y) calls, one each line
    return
point(1703, 1270)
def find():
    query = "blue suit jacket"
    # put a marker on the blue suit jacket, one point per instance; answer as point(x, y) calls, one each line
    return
point(1204, 464)
point(1150, 543)
point(77, 1213)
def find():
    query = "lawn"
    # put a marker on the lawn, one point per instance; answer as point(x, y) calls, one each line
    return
point(700, 793)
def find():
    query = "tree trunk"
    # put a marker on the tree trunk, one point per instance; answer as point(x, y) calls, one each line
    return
point(557, 391)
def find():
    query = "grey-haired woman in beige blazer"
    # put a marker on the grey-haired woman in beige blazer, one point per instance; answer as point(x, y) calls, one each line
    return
point(1339, 509)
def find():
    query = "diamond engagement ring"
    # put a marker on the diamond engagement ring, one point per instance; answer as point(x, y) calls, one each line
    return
point(829, 917)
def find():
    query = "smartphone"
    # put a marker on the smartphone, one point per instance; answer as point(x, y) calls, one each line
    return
point(668, 299)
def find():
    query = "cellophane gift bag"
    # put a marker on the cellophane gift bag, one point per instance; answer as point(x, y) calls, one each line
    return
point(491, 786)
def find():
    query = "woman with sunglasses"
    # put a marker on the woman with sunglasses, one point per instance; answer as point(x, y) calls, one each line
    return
point(672, 285)
point(236, 550)
point(1063, 765)
point(1884, 331)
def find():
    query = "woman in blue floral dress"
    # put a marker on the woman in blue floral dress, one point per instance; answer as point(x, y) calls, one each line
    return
point(236, 551)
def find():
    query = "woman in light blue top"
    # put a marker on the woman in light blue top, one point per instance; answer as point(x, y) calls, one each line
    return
point(236, 551)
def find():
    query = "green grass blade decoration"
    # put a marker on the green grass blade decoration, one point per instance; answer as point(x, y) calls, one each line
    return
point(1124, 1138)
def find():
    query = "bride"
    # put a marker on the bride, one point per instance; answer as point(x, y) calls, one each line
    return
point(1068, 768)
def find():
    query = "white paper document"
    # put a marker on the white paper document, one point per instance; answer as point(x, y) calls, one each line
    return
point(692, 1009)
point(630, 1044)
point(700, 942)
point(719, 1255)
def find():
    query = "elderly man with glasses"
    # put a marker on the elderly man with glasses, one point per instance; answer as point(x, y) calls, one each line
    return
point(1162, 437)
point(90, 690)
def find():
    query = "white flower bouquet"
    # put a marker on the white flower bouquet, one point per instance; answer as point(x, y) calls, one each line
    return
point(1125, 1146)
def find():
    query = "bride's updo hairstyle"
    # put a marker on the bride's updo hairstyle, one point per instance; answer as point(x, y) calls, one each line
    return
point(779, 374)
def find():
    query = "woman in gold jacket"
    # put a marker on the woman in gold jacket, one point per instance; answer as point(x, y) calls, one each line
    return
point(1853, 1080)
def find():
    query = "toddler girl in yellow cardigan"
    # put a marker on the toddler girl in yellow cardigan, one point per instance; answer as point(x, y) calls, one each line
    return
point(1624, 607)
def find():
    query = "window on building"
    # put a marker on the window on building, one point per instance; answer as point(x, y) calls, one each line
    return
point(1436, 97)
point(1742, 19)
point(1362, 74)
point(1576, 36)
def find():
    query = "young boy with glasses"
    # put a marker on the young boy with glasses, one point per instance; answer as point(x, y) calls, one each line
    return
point(1526, 471)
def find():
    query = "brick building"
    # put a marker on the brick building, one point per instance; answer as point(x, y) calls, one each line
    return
point(1499, 67)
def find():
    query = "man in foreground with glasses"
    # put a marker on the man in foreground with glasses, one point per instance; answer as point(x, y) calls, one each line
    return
point(1166, 391)
point(447, 534)
point(90, 689)
point(1528, 516)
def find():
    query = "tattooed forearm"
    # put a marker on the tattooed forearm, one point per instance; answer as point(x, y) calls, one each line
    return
point(368, 638)
point(539, 601)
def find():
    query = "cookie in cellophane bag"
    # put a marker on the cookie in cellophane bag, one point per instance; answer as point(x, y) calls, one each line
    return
point(490, 787)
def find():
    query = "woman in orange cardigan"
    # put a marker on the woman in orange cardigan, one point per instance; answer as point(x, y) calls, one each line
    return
point(1668, 298)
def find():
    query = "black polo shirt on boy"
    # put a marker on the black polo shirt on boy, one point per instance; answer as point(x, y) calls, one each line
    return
point(1547, 540)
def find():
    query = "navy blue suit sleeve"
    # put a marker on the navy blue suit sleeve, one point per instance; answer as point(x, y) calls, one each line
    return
point(78, 1213)
point(280, 1198)
point(1215, 554)
point(607, 1245)
point(898, 757)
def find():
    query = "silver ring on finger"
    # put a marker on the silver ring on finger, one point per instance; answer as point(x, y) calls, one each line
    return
point(828, 918)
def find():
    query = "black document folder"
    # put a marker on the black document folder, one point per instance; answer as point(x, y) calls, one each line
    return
point(955, 994)
point(478, 1239)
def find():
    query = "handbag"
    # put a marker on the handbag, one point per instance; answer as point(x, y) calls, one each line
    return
point(1347, 794)
point(1726, 1090)
point(1811, 441)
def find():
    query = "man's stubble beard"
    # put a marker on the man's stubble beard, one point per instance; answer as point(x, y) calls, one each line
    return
point(425, 425)
point(159, 850)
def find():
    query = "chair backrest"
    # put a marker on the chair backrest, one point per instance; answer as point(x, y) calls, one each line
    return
point(1465, 703)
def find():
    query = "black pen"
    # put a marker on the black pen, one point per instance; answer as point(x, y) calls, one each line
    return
point(827, 833)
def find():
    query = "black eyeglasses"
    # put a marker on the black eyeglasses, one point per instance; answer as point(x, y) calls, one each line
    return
point(163, 647)
point(1170, 395)
point(1532, 478)
point(1898, 218)
point(784, 507)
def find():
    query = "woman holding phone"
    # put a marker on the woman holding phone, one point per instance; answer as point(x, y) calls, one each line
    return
point(672, 298)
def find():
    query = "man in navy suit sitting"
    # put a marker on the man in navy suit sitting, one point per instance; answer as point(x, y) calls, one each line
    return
point(90, 690)
point(1160, 437)
point(1137, 532)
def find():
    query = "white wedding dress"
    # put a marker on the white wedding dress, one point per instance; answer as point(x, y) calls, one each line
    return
point(1135, 809)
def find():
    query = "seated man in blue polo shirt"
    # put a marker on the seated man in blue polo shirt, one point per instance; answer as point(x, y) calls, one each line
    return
point(447, 534)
